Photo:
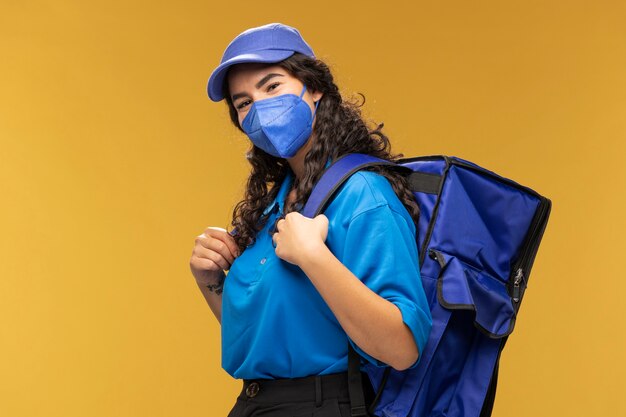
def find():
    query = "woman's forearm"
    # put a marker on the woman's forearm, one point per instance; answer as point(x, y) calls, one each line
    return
point(373, 323)
point(213, 300)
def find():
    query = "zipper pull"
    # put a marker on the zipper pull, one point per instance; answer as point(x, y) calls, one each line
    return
point(432, 253)
point(519, 276)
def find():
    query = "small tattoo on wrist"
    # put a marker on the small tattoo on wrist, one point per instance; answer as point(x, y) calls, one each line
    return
point(219, 287)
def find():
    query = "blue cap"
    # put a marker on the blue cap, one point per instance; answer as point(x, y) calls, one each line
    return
point(268, 43)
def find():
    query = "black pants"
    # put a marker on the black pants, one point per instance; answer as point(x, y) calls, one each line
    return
point(313, 396)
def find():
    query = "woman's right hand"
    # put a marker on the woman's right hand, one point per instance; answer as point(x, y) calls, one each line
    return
point(214, 252)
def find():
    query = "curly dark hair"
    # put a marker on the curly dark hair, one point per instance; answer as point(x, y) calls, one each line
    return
point(339, 129)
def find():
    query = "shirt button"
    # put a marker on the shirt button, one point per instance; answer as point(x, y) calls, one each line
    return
point(263, 261)
point(252, 390)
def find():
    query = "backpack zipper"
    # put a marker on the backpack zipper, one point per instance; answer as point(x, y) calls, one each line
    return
point(523, 265)
point(519, 277)
point(521, 270)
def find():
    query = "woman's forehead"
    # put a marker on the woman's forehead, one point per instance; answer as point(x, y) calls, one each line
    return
point(252, 71)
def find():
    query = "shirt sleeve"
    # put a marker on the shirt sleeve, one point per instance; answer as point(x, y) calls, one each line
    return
point(381, 250)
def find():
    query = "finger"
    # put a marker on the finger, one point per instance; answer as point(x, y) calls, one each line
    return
point(205, 264)
point(224, 236)
point(231, 244)
point(216, 245)
point(322, 222)
point(215, 257)
point(322, 219)
point(215, 231)
point(293, 214)
point(275, 240)
point(280, 224)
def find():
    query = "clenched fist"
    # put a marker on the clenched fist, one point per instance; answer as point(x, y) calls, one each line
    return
point(298, 236)
point(214, 252)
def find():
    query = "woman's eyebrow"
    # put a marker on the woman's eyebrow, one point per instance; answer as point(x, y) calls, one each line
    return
point(258, 85)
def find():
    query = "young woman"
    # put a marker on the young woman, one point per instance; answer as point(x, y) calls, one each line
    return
point(299, 290)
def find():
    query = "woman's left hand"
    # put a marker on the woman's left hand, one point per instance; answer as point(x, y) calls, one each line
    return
point(298, 236)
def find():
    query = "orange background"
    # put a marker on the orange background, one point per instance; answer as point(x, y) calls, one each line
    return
point(112, 159)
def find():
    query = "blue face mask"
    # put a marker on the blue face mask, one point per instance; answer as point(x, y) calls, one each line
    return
point(280, 125)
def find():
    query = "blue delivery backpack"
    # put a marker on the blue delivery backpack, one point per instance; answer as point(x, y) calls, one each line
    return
point(477, 235)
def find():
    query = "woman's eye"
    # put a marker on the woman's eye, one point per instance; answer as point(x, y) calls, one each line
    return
point(242, 104)
point(245, 103)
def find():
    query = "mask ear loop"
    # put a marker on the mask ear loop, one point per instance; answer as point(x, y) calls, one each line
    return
point(316, 103)
point(315, 111)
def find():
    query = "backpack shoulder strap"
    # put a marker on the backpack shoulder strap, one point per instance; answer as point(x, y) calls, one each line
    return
point(335, 176)
point(322, 193)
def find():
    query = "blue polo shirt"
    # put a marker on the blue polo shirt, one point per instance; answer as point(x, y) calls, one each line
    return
point(275, 324)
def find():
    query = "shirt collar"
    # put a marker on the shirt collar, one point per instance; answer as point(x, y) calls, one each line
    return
point(282, 194)
point(284, 189)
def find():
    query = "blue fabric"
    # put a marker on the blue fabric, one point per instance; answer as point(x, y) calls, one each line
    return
point(272, 42)
point(481, 234)
point(280, 125)
point(274, 322)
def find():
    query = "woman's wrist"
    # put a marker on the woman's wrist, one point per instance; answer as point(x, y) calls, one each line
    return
point(215, 285)
point(315, 257)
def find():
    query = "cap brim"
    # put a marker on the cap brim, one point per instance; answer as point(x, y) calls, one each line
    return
point(216, 80)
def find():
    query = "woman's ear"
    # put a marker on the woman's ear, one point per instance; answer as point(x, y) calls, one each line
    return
point(317, 95)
